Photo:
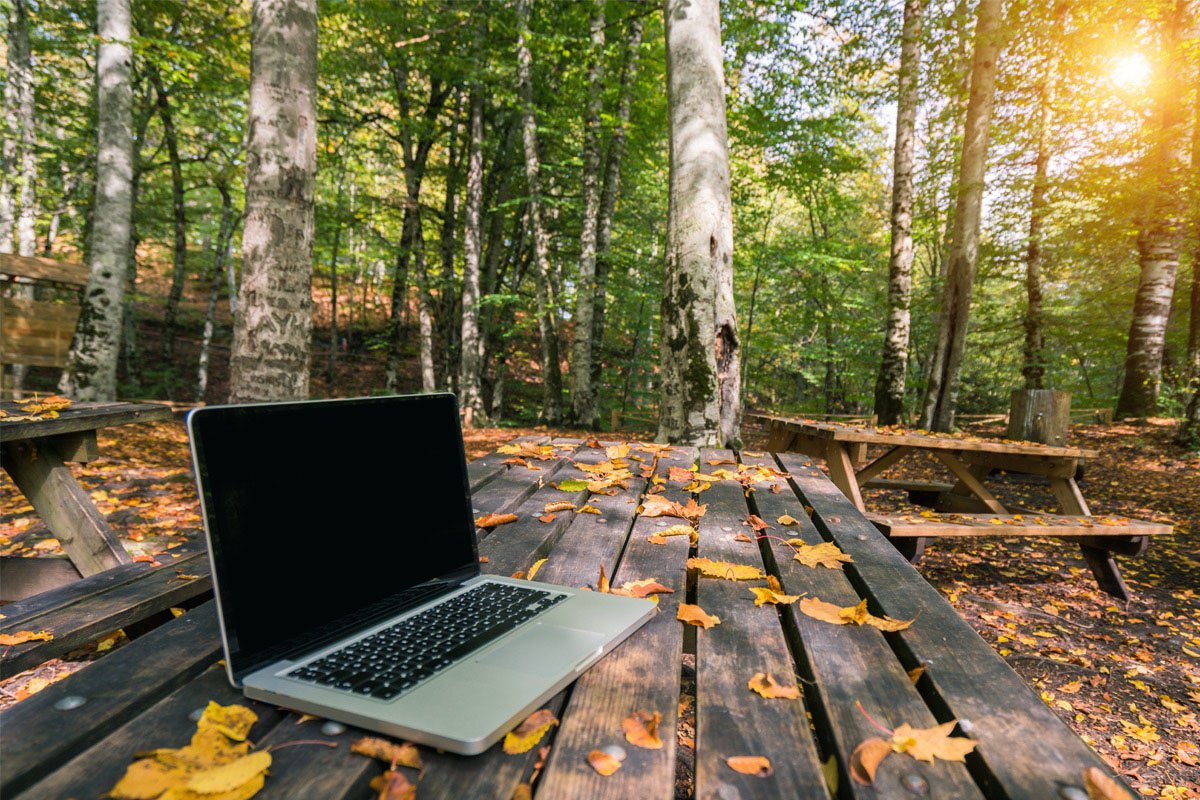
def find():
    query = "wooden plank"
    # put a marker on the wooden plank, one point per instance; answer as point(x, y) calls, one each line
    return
point(64, 506)
point(330, 773)
point(906, 485)
point(107, 610)
point(730, 719)
point(21, 578)
point(642, 675)
point(880, 465)
point(1024, 748)
point(844, 665)
point(487, 467)
point(510, 489)
point(841, 472)
point(116, 688)
point(81, 417)
point(960, 525)
point(43, 269)
point(969, 481)
point(843, 433)
point(168, 723)
point(1032, 464)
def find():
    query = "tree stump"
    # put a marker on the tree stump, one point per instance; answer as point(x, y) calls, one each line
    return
point(1039, 415)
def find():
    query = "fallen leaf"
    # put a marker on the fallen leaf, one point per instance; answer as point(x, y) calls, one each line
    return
point(534, 569)
point(1101, 787)
point(228, 777)
point(617, 451)
point(547, 517)
point(642, 588)
point(403, 753)
point(680, 475)
point(788, 521)
point(146, 779)
point(21, 637)
point(926, 744)
point(865, 759)
point(762, 596)
point(522, 738)
point(695, 615)
point(741, 537)
point(825, 554)
point(750, 765)
point(523, 792)
point(757, 523)
point(764, 683)
point(915, 673)
point(394, 785)
point(560, 505)
point(857, 615)
point(602, 582)
point(886, 623)
point(603, 763)
point(492, 520)
point(725, 570)
point(588, 510)
point(654, 505)
point(570, 485)
point(233, 720)
point(641, 729)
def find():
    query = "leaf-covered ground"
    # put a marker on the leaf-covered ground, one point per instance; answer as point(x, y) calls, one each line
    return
point(1125, 677)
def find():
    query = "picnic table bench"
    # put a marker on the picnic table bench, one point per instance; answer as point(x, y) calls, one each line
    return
point(971, 509)
point(76, 737)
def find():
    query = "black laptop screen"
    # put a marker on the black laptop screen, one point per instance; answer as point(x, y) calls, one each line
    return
point(319, 511)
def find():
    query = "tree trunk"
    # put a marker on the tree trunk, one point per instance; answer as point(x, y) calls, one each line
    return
point(1034, 364)
point(1193, 351)
point(444, 316)
point(547, 304)
point(424, 311)
point(470, 391)
point(91, 372)
point(700, 403)
point(893, 369)
point(331, 361)
point(584, 411)
point(612, 183)
point(272, 335)
point(179, 215)
point(941, 398)
point(1161, 237)
point(1189, 431)
point(1039, 415)
point(215, 278)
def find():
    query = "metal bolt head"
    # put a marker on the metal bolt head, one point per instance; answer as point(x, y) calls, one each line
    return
point(70, 702)
point(332, 728)
point(1072, 793)
point(966, 726)
point(196, 715)
point(614, 750)
point(914, 783)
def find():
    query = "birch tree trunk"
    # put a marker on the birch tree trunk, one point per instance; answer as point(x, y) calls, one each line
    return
point(893, 369)
point(941, 396)
point(470, 389)
point(179, 216)
point(1034, 359)
point(546, 301)
point(700, 381)
point(612, 184)
point(1162, 226)
point(424, 311)
point(272, 335)
point(584, 411)
point(331, 360)
point(91, 372)
point(1193, 351)
point(215, 278)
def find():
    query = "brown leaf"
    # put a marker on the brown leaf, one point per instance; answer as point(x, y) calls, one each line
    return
point(695, 615)
point(394, 785)
point(603, 763)
point(750, 765)
point(403, 753)
point(926, 744)
point(828, 612)
point(1101, 787)
point(680, 475)
point(757, 523)
point(617, 451)
point(547, 517)
point(654, 505)
point(886, 623)
point(741, 537)
point(560, 505)
point(915, 673)
point(865, 759)
point(787, 521)
point(641, 729)
point(642, 588)
point(523, 792)
point(764, 684)
point(492, 520)
point(21, 637)
point(522, 738)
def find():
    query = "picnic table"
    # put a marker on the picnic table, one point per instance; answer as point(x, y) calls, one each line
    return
point(77, 737)
point(35, 452)
point(972, 509)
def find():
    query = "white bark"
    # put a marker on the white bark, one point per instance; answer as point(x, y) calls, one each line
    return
point(91, 372)
point(272, 337)
point(700, 383)
point(470, 391)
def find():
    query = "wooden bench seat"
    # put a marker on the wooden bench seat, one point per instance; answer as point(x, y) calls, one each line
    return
point(900, 484)
point(1014, 525)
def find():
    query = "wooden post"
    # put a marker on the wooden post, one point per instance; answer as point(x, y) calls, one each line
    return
point(1039, 415)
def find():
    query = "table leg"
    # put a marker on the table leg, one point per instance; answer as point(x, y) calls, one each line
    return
point(967, 478)
point(841, 472)
point(1097, 553)
point(41, 475)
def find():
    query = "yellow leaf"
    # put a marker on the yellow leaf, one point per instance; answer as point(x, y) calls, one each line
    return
point(603, 763)
point(641, 729)
point(764, 684)
point(617, 451)
point(588, 510)
point(492, 520)
point(655, 505)
point(695, 615)
point(21, 637)
point(404, 754)
point(234, 721)
point(642, 588)
point(243, 792)
point(926, 744)
point(228, 777)
point(560, 505)
point(887, 623)
point(865, 759)
point(534, 569)
point(788, 521)
point(750, 765)
point(825, 554)
point(522, 738)
point(147, 779)
point(725, 570)
point(762, 596)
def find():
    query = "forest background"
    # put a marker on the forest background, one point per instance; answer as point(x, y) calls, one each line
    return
point(811, 98)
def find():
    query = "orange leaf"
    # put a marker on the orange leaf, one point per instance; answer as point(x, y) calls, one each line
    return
point(404, 754)
point(680, 475)
point(787, 520)
point(617, 451)
point(758, 523)
point(825, 554)
point(750, 765)
point(1101, 787)
point(522, 738)
point(534, 569)
point(642, 588)
point(602, 583)
point(492, 520)
point(547, 518)
point(764, 684)
point(603, 763)
point(865, 759)
point(560, 505)
point(21, 637)
point(654, 505)
point(926, 744)
point(588, 510)
point(741, 537)
point(394, 785)
point(641, 729)
point(695, 615)
point(772, 596)
point(725, 570)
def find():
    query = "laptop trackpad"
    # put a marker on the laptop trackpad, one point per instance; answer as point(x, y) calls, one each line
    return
point(545, 650)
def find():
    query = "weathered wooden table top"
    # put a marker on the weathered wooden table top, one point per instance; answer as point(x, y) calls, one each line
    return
point(79, 417)
point(140, 696)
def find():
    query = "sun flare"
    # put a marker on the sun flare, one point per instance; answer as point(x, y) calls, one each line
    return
point(1130, 71)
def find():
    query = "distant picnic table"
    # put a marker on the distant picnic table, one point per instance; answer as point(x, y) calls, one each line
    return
point(969, 507)
point(76, 737)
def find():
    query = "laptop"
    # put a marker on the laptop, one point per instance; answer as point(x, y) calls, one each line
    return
point(342, 543)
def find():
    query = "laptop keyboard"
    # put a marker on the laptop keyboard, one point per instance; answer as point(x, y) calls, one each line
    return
point(395, 659)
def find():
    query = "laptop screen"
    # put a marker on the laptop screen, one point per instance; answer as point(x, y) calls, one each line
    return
point(326, 514)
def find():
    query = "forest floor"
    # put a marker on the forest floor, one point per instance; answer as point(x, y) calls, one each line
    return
point(1126, 677)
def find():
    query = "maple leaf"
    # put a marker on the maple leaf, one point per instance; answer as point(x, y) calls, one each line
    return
point(560, 505)
point(926, 744)
point(695, 615)
point(394, 785)
point(658, 506)
point(492, 520)
point(865, 759)
point(680, 475)
point(725, 570)
point(764, 683)
point(825, 554)
point(750, 765)
point(757, 523)
point(772, 596)
point(522, 738)
point(21, 637)
point(603, 763)
point(642, 588)
point(641, 729)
